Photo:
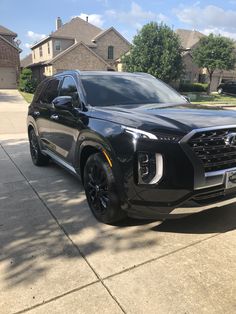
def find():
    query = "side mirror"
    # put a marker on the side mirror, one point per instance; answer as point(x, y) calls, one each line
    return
point(63, 103)
point(186, 98)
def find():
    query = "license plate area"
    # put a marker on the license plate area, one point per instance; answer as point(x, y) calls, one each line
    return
point(230, 179)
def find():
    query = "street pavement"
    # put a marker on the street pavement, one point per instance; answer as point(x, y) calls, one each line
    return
point(56, 258)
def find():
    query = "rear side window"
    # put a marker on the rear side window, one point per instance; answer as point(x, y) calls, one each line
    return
point(69, 88)
point(50, 92)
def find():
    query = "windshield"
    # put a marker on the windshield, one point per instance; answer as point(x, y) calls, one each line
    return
point(110, 90)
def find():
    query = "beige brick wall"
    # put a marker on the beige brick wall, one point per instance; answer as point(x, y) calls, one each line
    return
point(191, 70)
point(9, 56)
point(79, 58)
point(65, 43)
point(46, 56)
point(111, 38)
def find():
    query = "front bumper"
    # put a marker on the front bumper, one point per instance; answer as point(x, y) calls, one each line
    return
point(212, 196)
point(187, 208)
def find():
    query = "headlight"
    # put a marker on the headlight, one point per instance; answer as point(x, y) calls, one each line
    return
point(150, 168)
point(139, 133)
point(160, 137)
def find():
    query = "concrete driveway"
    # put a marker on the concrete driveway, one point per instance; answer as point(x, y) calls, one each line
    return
point(56, 258)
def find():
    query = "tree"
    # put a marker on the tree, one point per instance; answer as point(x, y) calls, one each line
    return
point(214, 52)
point(156, 50)
point(27, 83)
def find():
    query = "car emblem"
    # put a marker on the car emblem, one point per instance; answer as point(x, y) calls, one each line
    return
point(230, 140)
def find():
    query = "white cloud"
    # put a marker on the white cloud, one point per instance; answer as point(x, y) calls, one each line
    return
point(35, 36)
point(27, 45)
point(95, 19)
point(218, 31)
point(208, 17)
point(136, 16)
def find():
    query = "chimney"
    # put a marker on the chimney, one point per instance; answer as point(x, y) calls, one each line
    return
point(86, 18)
point(58, 23)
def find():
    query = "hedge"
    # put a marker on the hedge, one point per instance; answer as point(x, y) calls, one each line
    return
point(194, 87)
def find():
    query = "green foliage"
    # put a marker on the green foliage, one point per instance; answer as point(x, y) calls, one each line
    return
point(194, 87)
point(215, 52)
point(156, 50)
point(27, 83)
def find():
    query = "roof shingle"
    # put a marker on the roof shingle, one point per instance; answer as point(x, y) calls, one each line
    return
point(6, 31)
point(189, 38)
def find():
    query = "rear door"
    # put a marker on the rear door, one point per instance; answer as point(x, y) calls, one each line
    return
point(43, 110)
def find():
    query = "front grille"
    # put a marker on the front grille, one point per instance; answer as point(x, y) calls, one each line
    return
point(211, 149)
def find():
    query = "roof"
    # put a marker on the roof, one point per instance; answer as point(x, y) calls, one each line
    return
point(189, 38)
point(6, 31)
point(27, 60)
point(104, 32)
point(11, 44)
point(77, 28)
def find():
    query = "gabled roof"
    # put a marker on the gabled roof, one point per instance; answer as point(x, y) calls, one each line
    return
point(102, 33)
point(27, 60)
point(11, 44)
point(189, 38)
point(6, 31)
point(77, 28)
point(60, 55)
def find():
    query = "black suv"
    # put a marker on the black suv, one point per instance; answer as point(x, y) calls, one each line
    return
point(138, 146)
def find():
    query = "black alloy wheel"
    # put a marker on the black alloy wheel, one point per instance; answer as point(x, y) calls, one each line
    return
point(100, 189)
point(37, 157)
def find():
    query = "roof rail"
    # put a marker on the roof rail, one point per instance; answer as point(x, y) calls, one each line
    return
point(67, 72)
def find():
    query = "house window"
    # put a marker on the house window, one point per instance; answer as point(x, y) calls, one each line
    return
point(34, 53)
point(111, 52)
point(48, 48)
point(40, 51)
point(58, 45)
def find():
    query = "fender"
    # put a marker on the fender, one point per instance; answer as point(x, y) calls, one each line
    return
point(105, 150)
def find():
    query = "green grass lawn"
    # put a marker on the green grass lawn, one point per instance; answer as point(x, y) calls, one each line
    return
point(27, 96)
point(213, 99)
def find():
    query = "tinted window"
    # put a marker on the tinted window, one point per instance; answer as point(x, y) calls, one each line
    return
point(50, 92)
point(69, 88)
point(108, 90)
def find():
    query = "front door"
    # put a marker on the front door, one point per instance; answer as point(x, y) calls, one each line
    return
point(65, 124)
point(42, 110)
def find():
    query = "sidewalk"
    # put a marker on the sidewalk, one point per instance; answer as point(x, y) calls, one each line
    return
point(56, 258)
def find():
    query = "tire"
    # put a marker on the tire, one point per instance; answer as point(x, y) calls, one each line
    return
point(37, 157)
point(100, 189)
point(220, 91)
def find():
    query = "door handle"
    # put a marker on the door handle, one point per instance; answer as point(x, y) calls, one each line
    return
point(54, 117)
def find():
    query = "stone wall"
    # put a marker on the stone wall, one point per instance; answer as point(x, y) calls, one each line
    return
point(111, 38)
point(79, 58)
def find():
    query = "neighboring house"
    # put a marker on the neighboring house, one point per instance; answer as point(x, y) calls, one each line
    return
point(77, 45)
point(189, 40)
point(9, 58)
point(27, 60)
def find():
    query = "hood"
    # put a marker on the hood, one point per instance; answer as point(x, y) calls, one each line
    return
point(180, 118)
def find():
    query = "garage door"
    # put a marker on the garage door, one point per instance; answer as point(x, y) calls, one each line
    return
point(7, 77)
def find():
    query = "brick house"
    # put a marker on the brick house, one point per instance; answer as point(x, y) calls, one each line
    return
point(9, 58)
point(77, 45)
point(193, 74)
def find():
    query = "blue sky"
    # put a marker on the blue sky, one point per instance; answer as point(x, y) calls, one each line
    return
point(34, 19)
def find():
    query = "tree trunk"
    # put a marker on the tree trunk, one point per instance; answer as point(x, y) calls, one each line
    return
point(210, 80)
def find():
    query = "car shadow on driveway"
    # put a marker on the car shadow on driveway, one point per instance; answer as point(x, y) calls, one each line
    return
point(215, 220)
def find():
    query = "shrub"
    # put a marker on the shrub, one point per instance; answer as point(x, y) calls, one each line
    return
point(194, 87)
point(27, 83)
